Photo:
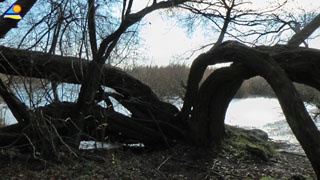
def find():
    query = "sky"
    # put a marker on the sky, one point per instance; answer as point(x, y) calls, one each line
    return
point(166, 41)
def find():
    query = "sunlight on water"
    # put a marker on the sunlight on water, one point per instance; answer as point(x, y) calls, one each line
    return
point(66, 92)
point(265, 114)
point(261, 113)
point(253, 112)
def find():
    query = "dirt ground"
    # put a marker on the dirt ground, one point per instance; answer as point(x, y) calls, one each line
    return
point(244, 154)
point(179, 162)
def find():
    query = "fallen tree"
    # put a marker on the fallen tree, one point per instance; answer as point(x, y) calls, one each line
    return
point(134, 95)
point(152, 122)
point(156, 123)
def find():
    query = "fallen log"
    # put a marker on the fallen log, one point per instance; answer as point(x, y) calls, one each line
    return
point(151, 122)
point(72, 70)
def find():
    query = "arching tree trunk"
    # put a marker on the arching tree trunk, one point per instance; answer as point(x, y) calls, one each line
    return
point(213, 98)
point(156, 123)
point(258, 63)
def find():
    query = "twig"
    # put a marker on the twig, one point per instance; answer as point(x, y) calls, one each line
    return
point(61, 140)
point(33, 147)
point(163, 162)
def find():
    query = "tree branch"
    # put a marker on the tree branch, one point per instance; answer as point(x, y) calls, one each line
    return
point(71, 70)
point(302, 35)
point(132, 19)
point(264, 63)
point(7, 24)
point(19, 110)
point(92, 27)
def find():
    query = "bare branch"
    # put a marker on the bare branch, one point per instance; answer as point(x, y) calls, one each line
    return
point(92, 27)
point(299, 37)
point(124, 3)
point(129, 7)
point(130, 20)
point(7, 24)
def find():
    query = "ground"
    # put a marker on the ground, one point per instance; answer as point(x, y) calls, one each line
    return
point(178, 162)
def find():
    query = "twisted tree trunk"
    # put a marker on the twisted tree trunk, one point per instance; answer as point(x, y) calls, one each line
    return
point(155, 123)
point(273, 65)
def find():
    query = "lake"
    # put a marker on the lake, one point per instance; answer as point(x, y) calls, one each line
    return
point(250, 113)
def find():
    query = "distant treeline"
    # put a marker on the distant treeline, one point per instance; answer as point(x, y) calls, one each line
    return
point(170, 81)
point(166, 81)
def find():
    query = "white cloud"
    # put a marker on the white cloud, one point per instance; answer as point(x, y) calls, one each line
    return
point(164, 39)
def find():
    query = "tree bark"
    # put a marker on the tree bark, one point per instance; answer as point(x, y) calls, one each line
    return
point(263, 63)
point(152, 121)
point(19, 110)
point(69, 70)
point(291, 59)
point(209, 102)
point(212, 101)
point(302, 35)
point(91, 81)
point(72, 70)
point(7, 24)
